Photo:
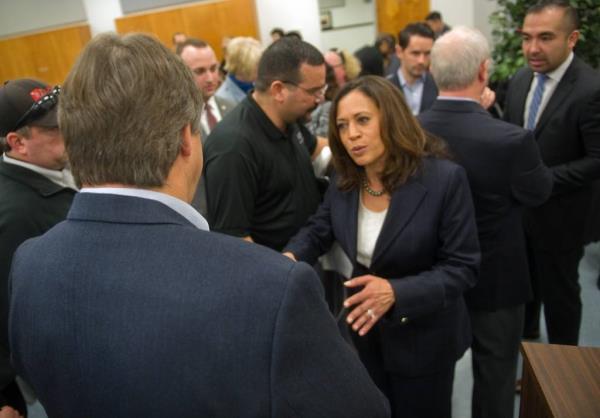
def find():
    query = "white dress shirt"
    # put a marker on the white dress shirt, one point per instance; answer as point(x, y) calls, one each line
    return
point(62, 177)
point(214, 107)
point(412, 93)
point(179, 206)
point(554, 78)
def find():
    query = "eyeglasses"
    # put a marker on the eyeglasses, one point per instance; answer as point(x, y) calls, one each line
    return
point(40, 107)
point(316, 92)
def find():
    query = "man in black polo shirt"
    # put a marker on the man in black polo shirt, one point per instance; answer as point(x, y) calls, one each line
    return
point(259, 178)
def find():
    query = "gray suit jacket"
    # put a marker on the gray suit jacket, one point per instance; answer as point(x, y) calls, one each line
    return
point(127, 310)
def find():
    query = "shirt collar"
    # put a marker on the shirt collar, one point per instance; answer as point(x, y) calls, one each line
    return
point(212, 103)
point(178, 205)
point(560, 71)
point(404, 83)
point(457, 99)
point(269, 128)
point(63, 177)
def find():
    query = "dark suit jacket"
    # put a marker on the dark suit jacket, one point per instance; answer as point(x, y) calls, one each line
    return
point(568, 135)
point(30, 204)
point(127, 310)
point(505, 173)
point(199, 201)
point(430, 90)
point(428, 250)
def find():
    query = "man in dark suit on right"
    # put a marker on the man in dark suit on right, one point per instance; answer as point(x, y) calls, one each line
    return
point(131, 307)
point(506, 173)
point(558, 98)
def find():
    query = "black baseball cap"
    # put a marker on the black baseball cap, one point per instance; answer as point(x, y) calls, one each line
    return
point(27, 102)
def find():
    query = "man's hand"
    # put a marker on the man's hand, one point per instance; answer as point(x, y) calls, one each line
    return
point(288, 255)
point(488, 97)
point(8, 412)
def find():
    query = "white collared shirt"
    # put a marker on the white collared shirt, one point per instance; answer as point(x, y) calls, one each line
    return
point(369, 228)
point(457, 99)
point(63, 177)
point(214, 107)
point(179, 206)
point(554, 78)
point(412, 93)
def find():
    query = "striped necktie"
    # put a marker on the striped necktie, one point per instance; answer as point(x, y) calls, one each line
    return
point(210, 117)
point(536, 100)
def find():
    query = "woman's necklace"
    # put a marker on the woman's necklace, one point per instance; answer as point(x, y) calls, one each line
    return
point(365, 184)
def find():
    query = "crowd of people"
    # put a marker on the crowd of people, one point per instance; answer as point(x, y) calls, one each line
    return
point(175, 263)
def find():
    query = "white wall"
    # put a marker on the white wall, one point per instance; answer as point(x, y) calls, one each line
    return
point(473, 13)
point(482, 12)
point(353, 26)
point(17, 16)
point(102, 15)
point(289, 15)
point(455, 12)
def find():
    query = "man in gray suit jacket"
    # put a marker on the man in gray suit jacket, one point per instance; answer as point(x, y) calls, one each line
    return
point(201, 59)
point(130, 307)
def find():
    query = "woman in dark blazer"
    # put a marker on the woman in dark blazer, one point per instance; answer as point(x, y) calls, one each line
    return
point(403, 215)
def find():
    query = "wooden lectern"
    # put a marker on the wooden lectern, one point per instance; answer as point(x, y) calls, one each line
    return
point(560, 381)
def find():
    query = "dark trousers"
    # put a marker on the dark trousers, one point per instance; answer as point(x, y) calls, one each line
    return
point(555, 281)
point(495, 350)
point(427, 396)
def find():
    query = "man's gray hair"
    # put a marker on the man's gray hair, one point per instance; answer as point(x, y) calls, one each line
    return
point(456, 57)
point(123, 108)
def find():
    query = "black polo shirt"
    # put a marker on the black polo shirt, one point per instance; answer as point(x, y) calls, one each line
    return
point(259, 180)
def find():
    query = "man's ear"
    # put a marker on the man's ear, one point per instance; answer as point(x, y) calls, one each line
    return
point(16, 142)
point(278, 90)
point(399, 51)
point(483, 73)
point(186, 141)
point(573, 38)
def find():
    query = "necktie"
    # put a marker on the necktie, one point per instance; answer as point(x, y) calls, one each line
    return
point(536, 100)
point(210, 117)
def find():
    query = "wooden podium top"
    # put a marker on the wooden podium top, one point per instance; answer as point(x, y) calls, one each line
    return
point(568, 378)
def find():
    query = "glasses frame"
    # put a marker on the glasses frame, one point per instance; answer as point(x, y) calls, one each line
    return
point(317, 94)
point(40, 107)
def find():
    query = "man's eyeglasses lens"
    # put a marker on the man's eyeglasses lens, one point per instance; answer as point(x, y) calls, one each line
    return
point(317, 92)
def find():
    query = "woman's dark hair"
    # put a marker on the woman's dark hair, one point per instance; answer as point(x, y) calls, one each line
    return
point(405, 142)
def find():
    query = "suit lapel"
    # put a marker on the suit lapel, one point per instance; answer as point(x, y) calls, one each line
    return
point(521, 92)
point(404, 203)
point(223, 108)
point(429, 93)
point(558, 97)
point(350, 223)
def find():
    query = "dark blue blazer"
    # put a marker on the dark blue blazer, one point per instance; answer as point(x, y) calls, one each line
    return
point(430, 90)
point(567, 134)
point(127, 310)
point(428, 250)
point(505, 173)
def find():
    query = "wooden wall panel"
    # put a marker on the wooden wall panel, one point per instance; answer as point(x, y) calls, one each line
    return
point(210, 21)
point(393, 15)
point(46, 55)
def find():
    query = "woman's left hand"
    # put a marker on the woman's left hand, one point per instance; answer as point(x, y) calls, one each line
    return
point(371, 303)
